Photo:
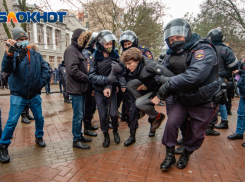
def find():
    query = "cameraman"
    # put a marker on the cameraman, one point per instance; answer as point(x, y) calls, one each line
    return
point(28, 75)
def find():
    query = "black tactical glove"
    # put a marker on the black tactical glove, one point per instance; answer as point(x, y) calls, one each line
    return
point(164, 91)
point(160, 79)
point(115, 70)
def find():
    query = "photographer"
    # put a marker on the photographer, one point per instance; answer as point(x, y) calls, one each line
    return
point(28, 75)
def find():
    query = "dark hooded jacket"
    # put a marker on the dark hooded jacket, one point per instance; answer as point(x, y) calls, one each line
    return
point(100, 69)
point(76, 63)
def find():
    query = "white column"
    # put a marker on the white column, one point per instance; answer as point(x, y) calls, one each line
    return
point(34, 26)
point(70, 37)
point(53, 38)
point(45, 36)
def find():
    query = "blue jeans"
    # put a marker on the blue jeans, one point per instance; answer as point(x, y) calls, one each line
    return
point(223, 111)
point(240, 127)
point(17, 105)
point(78, 106)
point(47, 86)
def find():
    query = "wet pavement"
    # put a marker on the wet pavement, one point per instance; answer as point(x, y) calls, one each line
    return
point(219, 159)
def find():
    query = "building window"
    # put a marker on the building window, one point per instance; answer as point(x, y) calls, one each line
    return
point(44, 57)
point(59, 60)
point(39, 33)
point(87, 24)
point(51, 61)
point(57, 37)
point(49, 36)
point(67, 39)
point(29, 31)
point(81, 16)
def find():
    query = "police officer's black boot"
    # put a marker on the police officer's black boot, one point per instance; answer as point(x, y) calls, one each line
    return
point(116, 136)
point(24, 119)
point(4, 155)
point(181, 148)
point(151, 133)
point(131, 138)
point(106, 142)
point(87, 129)
point(222, 125)
point(124, 117)
point(169, 159)
point(180, 141)
point(229, 112)
point(110, 124)
point(183, 160)
point(211, 132)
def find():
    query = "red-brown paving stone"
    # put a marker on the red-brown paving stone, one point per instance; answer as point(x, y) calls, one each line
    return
point(219, 159)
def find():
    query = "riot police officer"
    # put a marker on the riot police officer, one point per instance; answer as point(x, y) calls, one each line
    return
point(90, 105)
point(194, 63)
point(103, 75)
point(227, 64)
point(127, 40)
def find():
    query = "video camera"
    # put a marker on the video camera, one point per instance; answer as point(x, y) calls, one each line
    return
point(13, 48)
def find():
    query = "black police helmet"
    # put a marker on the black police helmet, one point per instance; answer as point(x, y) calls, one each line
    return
point(103, 37)
point(216, 35)
point(128, 35)
point(92, 39)
point(175, 27)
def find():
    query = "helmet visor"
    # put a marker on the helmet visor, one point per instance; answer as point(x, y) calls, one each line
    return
point(176, 30)
point(130, 38)
point(107, 38)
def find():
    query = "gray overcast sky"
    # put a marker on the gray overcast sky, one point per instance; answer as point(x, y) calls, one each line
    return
point(178, 8)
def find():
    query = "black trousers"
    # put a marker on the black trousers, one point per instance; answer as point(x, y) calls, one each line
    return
point(90, 108)
point(102, 105)
point(230, 93)
point(25, 110)
point(198, 118)
point(65, 94)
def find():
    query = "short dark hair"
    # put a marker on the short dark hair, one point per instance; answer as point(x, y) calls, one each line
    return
point(131, 54)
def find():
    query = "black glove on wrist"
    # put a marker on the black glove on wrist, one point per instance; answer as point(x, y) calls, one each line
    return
point(160, 79)
point(164, 91)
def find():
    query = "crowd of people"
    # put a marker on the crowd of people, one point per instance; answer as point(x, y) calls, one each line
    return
point(195, 78)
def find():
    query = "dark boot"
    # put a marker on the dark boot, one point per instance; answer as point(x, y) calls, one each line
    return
point(183, 160)
point(87, 129)
point(156, 123)
point(131, 138)
point(124, 117)
point(85, 140)
point(40, 142)
point(243, 144)
point(180, 141)
point(119, 114)
point(24, 119)
point(235, 136)
point(116, 136)
point(222, 125)
point(79, 144)
point(4, 155)
point(152, 133)
point(211, 132)
point(110, 125)
point(180, 149)
point(229, 112)
point(169, 159)
point(30, 117)
point(106, 142)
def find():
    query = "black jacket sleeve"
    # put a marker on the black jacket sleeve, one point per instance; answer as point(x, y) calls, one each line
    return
point(229, 58)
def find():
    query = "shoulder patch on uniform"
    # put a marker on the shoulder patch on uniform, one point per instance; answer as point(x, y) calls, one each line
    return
point(143, 46)
point(148, 54)
point(199, 55)
point(89, 52)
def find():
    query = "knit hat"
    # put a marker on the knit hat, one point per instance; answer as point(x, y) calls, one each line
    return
point(77, 33)
point(18, 32)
